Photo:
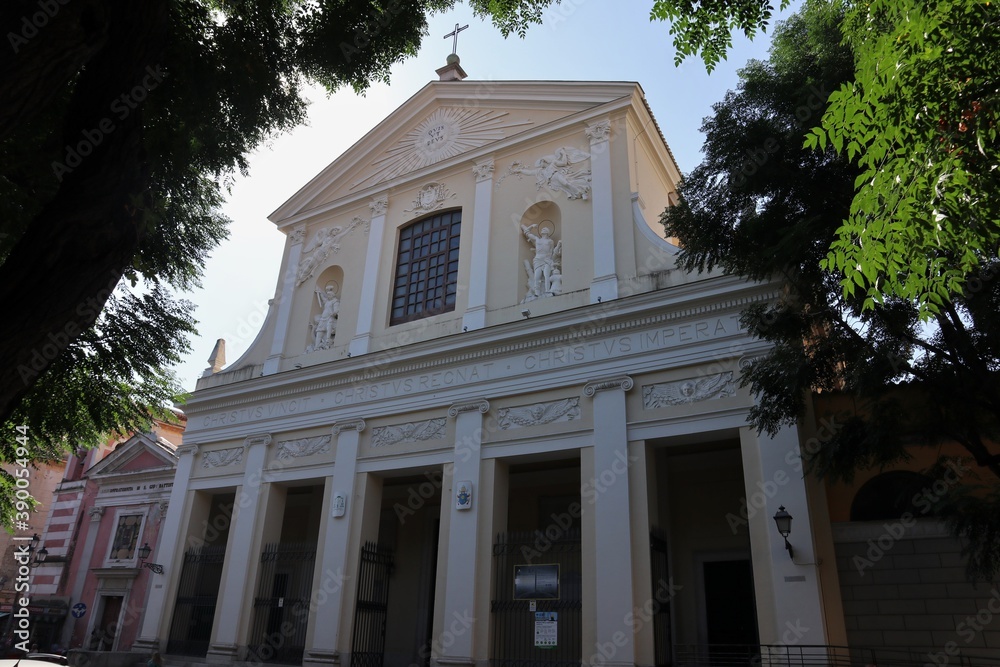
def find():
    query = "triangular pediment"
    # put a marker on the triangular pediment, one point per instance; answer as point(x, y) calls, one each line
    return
point(446, 122)
point(142, 453)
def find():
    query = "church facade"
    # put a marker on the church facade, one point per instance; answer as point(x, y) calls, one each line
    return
point(488, 420)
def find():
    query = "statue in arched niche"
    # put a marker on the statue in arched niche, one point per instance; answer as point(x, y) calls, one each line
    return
point(545, 270)
point(325, 323)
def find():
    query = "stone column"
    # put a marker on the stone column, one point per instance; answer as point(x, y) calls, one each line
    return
point(323, 641)
point(154, 626)
point(475, 311)
point(788, 592)
point(273, 362)
point(609, 494)
point(463, 528)
point(236, 591)
point(605, 283)
point(366, 311)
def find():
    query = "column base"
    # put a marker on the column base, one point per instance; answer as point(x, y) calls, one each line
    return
point(146, 645)
point(450, 661)
point(222, 653)
point(474, 318)
point(272, 364)
point(359, 345)
point(320, 658)
point(604, 289)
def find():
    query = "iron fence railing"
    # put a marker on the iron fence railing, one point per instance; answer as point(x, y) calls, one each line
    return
point(776, 655)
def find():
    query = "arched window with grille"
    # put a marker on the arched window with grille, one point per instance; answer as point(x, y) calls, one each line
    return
point(426, 278)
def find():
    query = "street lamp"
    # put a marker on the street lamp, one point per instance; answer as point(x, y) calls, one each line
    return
point(144, 552)
point(40, 555)
point(784, 522)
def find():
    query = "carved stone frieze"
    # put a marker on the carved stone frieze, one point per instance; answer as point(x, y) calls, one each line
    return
point(692, 390)
point(221, 458)
point(429, 429)
point(293, 449)
point(538, 414)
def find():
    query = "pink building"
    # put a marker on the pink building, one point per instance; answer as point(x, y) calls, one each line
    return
point(111, 503)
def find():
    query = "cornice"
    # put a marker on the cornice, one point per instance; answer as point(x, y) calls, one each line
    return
point(568, 327)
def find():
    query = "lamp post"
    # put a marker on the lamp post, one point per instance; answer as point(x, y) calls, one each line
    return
point(784, 522)
point(144, 552)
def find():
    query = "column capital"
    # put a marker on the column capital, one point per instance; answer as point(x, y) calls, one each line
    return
point(598, 131)
point(257, 439)
point(349, 425)
point(188, 448)
point(483, 169)
point(624, 383)
point(297, 235)
point(480, 404)
point(95, 514)
point(379, 205)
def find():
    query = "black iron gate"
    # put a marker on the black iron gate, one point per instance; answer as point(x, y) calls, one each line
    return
point(662, 599)
point(194, 611)
point(281, 608)
point(513, 620)
point(368, 640)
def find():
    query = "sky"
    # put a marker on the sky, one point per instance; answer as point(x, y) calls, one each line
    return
point(579, 40)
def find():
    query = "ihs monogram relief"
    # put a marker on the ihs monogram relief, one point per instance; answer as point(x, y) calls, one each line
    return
point(447, 132)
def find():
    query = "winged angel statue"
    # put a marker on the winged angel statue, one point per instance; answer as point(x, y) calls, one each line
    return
point(557, 172)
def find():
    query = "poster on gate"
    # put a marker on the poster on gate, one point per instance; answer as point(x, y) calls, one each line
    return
point(546, 629)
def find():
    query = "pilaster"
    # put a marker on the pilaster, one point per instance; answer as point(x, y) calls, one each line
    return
point(153, 626)
point(273, 362)
point(237, 591)
point(463, 527)
point(787, 589)
point(323, 646)
point(475, 312)
point(612, 574)
point(605, 283)
point(361, 341)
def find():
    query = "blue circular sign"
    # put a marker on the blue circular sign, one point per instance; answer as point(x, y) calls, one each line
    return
point(79, 609)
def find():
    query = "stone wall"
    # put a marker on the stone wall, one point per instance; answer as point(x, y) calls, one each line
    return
point(904, 587)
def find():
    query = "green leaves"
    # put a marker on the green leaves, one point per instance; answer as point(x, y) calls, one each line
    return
point(920, 121)
point(705, 28)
